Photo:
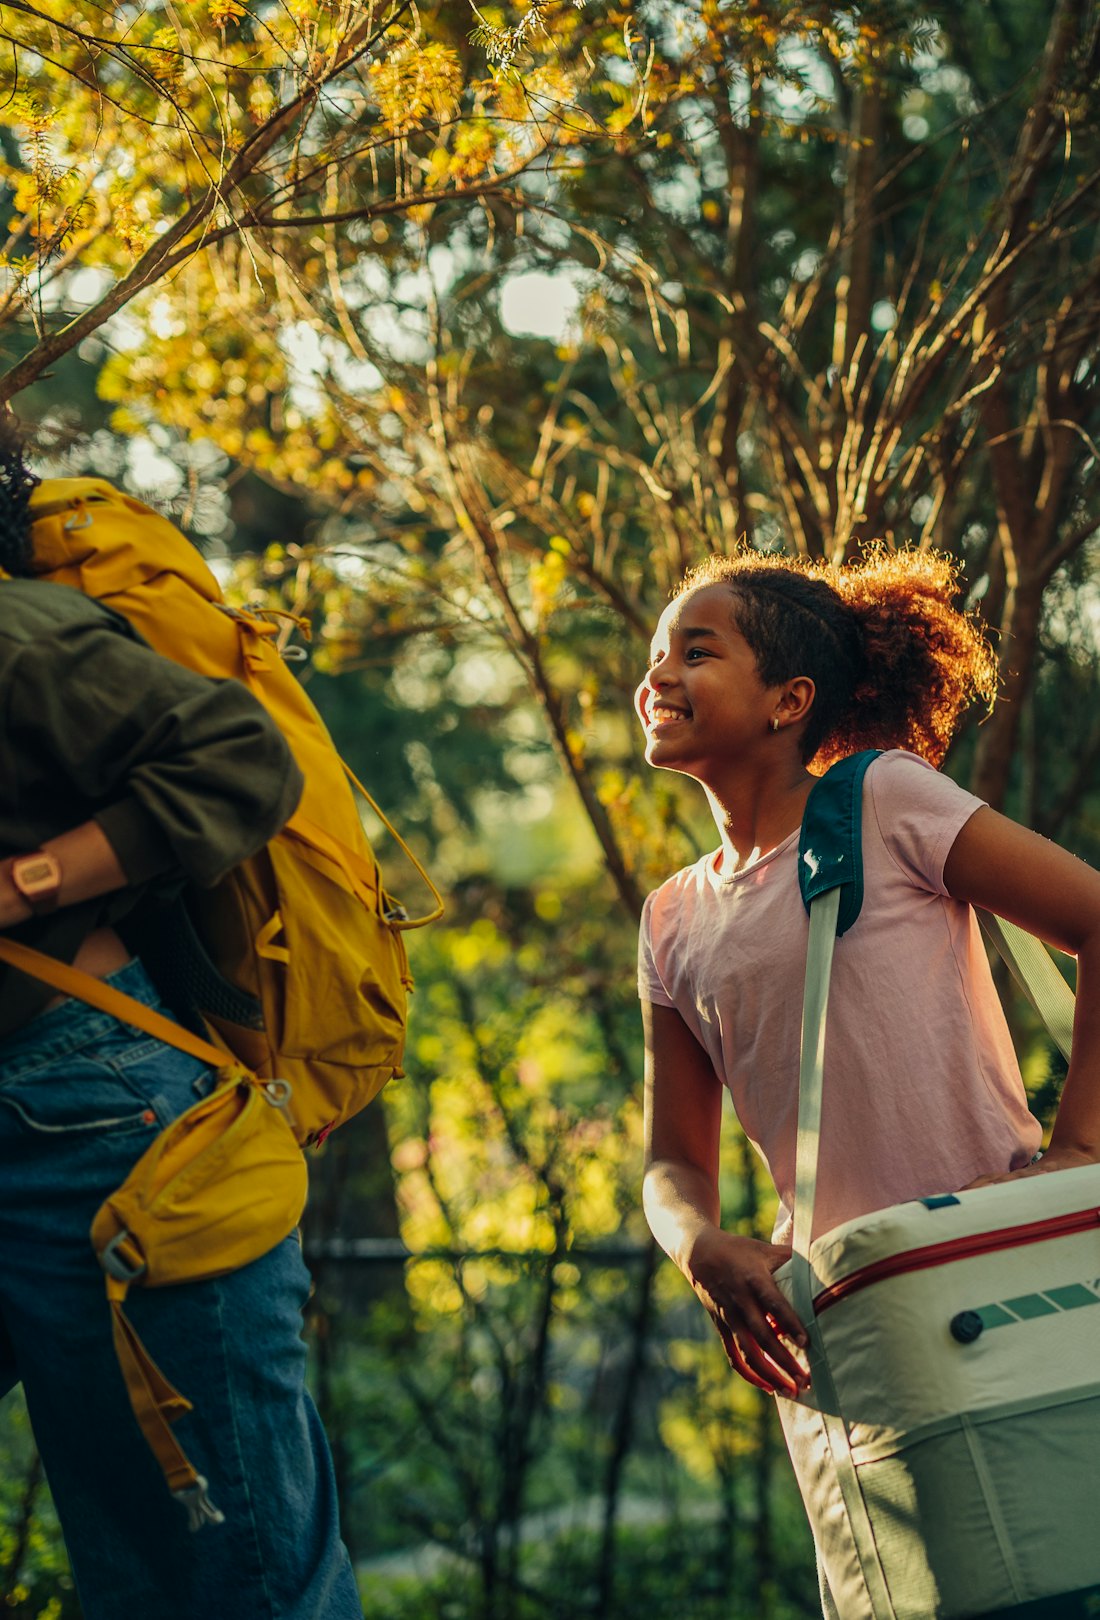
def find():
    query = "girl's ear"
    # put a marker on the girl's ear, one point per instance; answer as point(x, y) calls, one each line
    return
point(796, 699)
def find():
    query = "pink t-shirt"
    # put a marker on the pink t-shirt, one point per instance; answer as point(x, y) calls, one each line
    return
point(922, 1089)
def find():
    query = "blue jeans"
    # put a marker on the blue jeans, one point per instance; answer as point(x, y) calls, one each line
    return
point(81, 1098)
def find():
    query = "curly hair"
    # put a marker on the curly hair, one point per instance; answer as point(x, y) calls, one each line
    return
point(16, 483)
point(894, 662)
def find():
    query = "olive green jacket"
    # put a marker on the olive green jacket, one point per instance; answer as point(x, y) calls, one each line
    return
point(186, 776)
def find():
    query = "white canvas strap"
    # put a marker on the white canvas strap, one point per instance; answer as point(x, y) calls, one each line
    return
point(1034, 970)
point(819, 966)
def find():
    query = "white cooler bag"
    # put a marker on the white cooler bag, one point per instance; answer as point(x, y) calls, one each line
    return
point(948, 1452)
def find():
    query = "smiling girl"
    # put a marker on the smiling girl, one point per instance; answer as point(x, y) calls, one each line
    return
point(762, 673)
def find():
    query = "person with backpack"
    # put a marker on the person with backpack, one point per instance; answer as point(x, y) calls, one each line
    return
point(123, 778)
point(763, 672)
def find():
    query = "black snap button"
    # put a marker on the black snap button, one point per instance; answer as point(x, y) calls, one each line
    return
point(966, 1326)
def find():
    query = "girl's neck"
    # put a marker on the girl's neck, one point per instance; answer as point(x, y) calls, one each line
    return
point(753, 817)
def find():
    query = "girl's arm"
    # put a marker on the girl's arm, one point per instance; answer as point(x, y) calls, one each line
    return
point(996, 864)
point(731, 1275)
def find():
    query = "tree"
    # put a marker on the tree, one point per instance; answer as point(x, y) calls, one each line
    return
point(836, 281)
point(791, 331)
point(137, 142)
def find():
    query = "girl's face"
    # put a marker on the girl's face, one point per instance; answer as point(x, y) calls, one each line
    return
point(703, 705)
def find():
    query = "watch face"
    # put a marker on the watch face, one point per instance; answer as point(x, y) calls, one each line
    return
point(35, 875)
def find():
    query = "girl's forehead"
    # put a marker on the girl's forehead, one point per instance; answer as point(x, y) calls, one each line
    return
point(707, 605)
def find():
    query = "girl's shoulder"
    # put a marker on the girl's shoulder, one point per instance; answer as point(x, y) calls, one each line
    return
point(914, 813)
point(898, 774)
point(683, 889)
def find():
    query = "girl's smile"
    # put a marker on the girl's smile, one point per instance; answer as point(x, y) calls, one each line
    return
point(702, 702)
point(662, 713)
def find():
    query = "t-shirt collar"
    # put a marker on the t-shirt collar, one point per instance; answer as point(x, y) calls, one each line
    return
point(721, 880)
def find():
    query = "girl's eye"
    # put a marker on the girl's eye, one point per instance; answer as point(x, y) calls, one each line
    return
point(693, 651)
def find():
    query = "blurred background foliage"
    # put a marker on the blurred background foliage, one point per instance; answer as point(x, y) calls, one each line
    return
point(459, 333)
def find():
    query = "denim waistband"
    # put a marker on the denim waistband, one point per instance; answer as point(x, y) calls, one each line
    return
point(74, 1023)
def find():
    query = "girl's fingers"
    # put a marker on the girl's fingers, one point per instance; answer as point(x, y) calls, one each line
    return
point(763, 1332)
point(757, 1364)
point(738, 1362)
point(779, 1310)
point(766, 1374)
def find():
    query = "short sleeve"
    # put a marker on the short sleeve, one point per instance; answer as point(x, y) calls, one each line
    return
point(650, 987)
point(919, 813)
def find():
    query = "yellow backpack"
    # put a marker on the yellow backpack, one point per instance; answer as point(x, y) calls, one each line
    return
point(304, 928)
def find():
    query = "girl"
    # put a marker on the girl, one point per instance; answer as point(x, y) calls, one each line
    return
point(763, 672)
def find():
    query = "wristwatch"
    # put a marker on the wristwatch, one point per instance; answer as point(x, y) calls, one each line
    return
point(37, 877)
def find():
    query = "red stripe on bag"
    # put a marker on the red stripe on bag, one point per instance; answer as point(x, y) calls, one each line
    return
point(962, 1248)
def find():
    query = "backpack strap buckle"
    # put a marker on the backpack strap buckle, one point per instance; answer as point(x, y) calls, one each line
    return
point(118, 1264)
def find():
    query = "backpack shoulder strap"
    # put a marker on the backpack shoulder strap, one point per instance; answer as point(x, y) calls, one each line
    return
point(830, 848)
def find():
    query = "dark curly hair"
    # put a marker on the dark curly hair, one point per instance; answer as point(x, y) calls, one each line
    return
point(16, 483)
point(894, 662)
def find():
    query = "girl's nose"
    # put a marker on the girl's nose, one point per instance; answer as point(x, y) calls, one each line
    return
point(655, 681)
point(660, 677)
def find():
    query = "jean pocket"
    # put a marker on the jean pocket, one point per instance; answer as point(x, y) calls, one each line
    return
point(82, 1098)
point(114, 1085)
point(170, 1081)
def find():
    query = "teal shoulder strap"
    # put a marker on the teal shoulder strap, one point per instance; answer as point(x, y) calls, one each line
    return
point(830, 848)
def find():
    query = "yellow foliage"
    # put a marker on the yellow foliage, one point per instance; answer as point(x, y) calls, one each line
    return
point(548, 579)
point(481, 946)
point(473, 150)
point(417, 83)
point(544, 92)
point(548, 905)
point(225, 12)
point(436, 168)
point(596, 1193)
point(261, 99)
point(432, 1283)
point(430, 1049)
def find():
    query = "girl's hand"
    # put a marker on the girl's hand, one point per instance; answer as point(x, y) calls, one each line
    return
point(1055, 1158)
point(756, 1323)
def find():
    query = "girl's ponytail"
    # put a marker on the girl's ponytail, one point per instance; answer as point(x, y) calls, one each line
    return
point(894, 661)
point(16, 484)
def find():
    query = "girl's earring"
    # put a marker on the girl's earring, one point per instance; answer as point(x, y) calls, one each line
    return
point(775, 722)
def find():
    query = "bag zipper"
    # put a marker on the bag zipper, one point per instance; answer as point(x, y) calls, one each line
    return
point(962, 1248)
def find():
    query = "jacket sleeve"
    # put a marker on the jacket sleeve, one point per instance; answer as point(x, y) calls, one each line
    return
point(186, 775)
